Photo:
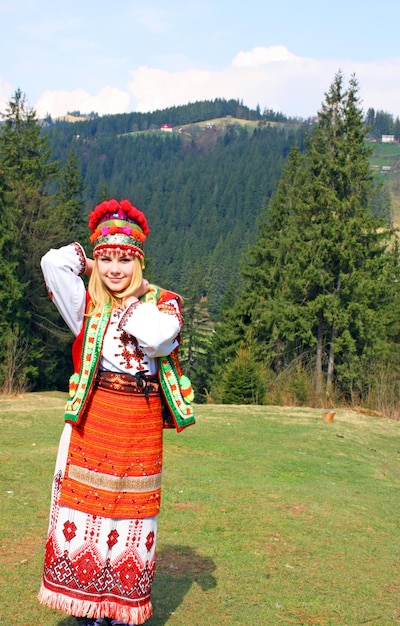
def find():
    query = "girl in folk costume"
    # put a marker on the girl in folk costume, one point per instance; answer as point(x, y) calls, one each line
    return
point(100, 549)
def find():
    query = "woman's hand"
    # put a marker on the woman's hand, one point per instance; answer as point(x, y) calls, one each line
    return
point(89, 267)
point(144, 287)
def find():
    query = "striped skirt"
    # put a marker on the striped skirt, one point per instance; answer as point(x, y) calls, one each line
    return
point(100, 549)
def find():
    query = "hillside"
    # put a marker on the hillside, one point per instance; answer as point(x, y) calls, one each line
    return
point(206, 133)
point(385, 160)
point(202, 173)
point(202, 185)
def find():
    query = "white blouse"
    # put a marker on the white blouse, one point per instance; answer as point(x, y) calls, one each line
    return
point(135, 336)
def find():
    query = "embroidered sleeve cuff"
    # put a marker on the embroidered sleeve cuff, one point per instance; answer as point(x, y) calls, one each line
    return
point(171, 308)
point(128, 314)
point(81, 257)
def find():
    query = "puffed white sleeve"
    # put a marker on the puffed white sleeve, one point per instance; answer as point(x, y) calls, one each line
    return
point(62, 269)
point(156, 329)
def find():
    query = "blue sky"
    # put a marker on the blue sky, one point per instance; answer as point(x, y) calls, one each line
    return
point(142, 55)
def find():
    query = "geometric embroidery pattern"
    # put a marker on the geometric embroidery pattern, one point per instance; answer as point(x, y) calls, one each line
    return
point(112, 538)
point(85, 573)
point(69, 530)
point(150, 541)
point(91, 575)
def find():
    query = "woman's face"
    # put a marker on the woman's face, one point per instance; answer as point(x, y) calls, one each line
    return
point(116, 270)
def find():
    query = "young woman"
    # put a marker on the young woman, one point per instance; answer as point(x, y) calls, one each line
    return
point(100, 549)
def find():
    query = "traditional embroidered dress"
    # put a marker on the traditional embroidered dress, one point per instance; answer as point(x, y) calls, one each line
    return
point(100, 550)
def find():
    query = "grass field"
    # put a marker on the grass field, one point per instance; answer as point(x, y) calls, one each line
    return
point(271, 516)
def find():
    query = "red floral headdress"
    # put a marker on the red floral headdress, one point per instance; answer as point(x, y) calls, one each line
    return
point(118, 226)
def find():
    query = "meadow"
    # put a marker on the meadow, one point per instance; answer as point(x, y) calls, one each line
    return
point(271, 516)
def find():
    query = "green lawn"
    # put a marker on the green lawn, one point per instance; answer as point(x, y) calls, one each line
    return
point(271, 516)
point(386, 154)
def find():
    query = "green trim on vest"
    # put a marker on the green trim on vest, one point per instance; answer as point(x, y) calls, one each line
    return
point(80, 383)
point(171, 385)
point(176, 388)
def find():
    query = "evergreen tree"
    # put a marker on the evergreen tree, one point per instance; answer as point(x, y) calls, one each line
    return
point(69, 198)
point(321, 278)
point(32, 224)
point(242, 381)
point(27, 172)
point(68, 205)
point(348, 247)
point(196, 334)
point(11, 294)
point(229, 335)
point(382, 204)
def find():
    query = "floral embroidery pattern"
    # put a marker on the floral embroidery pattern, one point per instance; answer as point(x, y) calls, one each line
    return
point(131, 354)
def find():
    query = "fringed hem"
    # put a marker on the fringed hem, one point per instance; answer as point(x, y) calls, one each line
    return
point(81, 608)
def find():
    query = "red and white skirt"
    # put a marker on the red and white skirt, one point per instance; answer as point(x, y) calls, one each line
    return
point(100, 549)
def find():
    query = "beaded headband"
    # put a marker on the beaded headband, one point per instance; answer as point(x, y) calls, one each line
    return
point(118, 226)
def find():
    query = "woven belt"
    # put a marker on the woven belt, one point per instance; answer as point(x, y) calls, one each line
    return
point(125, 383)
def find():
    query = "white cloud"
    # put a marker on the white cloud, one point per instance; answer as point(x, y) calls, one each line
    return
point(379, 85)
point(262, 56)
point(157, 89)
point(109, 100)
point(271, 77)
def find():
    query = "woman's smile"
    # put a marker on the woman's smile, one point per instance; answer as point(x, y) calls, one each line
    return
point(116, 270)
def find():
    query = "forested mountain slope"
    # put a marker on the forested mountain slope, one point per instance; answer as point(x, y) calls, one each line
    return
point(201, 185)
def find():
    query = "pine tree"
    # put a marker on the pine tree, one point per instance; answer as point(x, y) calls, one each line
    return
point(196, 334)
point(68, 208)
point(348, 246)
point(32, 224)
point(242, 382)
point(26, 170)
point(11, 294)
point(321, 278)
point(68, 199)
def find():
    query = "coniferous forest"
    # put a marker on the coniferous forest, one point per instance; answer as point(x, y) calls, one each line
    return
point(277, 232)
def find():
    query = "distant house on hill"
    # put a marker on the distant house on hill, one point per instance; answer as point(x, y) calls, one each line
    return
point(166, 128)
point(387, 138)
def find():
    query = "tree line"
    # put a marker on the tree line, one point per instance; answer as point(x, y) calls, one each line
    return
point(175, 116)
point(273, 236)
point(380, 123)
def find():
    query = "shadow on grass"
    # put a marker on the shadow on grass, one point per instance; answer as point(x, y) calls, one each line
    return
point(177, 569)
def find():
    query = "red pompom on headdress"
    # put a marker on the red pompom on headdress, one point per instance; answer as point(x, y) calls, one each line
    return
point(123, 208)
point(118, 226)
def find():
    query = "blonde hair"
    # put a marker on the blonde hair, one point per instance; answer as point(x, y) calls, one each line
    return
point(100, 295)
